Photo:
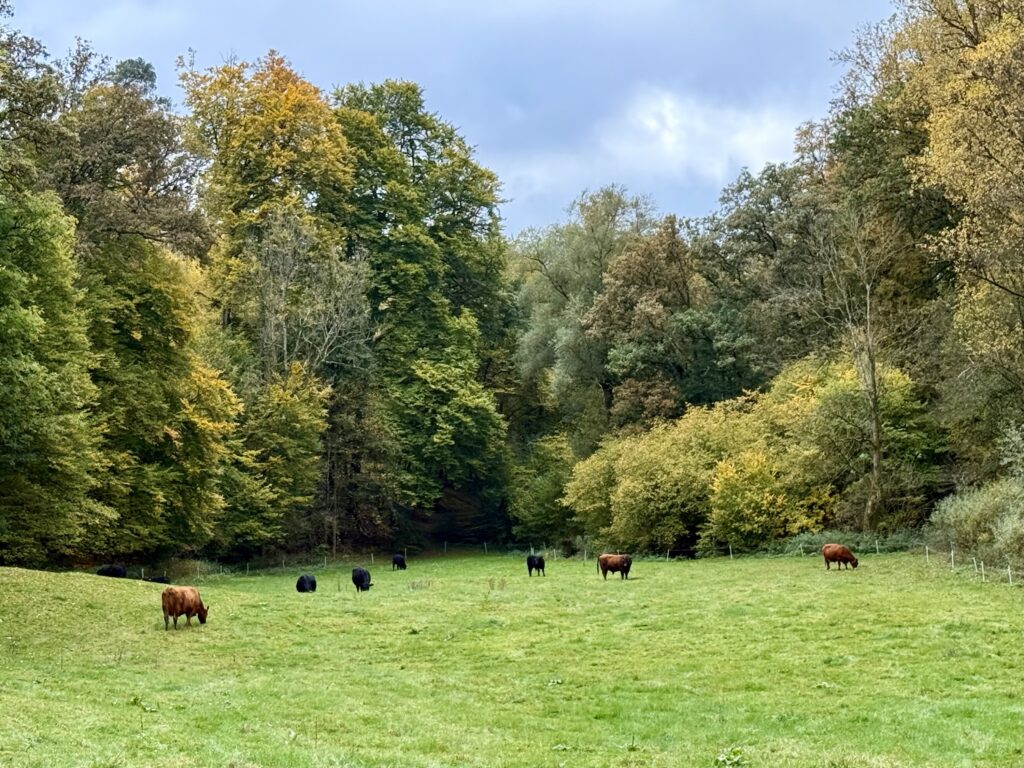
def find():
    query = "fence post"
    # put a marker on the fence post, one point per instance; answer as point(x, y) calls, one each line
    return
point(485, 547)
point(730, 550)
point(1009, 574)
point(667, 553)
point(371, 558)
point(926, 559)
point(143, 574)
point(952, 561)
point(975, 561)
point(325, 562)
point(876, 547)
point(982, 570)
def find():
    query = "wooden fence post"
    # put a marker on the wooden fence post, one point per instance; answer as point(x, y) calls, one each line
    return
point(730, 550)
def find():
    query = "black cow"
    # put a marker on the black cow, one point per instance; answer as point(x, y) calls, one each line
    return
point(306, 583)
point(535, 563)
point(361, 578)
point(398, 561)
point(113, 571)
point(158, 579)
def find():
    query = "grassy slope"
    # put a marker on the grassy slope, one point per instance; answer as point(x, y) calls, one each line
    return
point(893, 664)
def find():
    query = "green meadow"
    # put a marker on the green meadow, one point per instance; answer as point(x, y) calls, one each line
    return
point(465, 661)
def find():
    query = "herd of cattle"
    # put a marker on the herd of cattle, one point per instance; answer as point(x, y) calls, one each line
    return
point(185, 601)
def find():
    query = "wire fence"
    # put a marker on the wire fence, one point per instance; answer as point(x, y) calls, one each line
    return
point(974, 567)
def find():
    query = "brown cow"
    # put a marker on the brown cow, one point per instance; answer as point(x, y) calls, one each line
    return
point(615, 563)
point(183, 601)
point(837, 553)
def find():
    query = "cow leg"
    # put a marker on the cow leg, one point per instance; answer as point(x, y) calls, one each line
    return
point(175, 622)
point(827, 566)
point(165, 622)
point(188, 619)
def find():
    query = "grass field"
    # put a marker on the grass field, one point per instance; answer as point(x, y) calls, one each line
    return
point(464, 661)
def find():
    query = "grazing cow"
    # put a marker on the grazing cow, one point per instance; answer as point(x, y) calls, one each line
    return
point(398, 561)
point(361, 578)
point(837, 553)
point(114, 571)
point(306, 583)
point(183, 601)
point(616, 564)
point(158, 579)
point(535, 563)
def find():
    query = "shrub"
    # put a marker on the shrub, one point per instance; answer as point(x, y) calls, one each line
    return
point(988, 522)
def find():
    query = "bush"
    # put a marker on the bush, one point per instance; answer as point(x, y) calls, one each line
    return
point(749, 503)
point(988, 522)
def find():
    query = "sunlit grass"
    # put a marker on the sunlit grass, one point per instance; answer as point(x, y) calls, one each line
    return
point(467, 661)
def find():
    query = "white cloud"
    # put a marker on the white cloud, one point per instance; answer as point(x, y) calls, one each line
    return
point(681, 137)
point(658, 137)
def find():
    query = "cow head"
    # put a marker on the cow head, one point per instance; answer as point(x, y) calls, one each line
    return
point(854, 562)
point(201, 613)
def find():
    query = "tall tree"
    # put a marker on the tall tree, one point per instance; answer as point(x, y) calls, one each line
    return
point(48, 448)
point(560, 273)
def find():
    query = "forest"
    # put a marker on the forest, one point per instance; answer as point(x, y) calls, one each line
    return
point(276, 319)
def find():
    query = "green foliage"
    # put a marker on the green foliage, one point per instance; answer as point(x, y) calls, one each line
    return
point(987, 522)
point(536, 489)
point(668, 344)
point(280, 437)
point(559, 273)
point(48, 437)
point(757, 469)
point(166, 415)
point(589, 491)
point(449, 426)
point(749, 504)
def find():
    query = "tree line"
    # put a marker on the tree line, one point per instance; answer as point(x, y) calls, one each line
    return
point(287, 319)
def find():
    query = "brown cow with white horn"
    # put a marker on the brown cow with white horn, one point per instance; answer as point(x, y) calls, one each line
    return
point(183, 601)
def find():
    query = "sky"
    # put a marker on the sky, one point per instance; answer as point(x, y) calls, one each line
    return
point(670, 98)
